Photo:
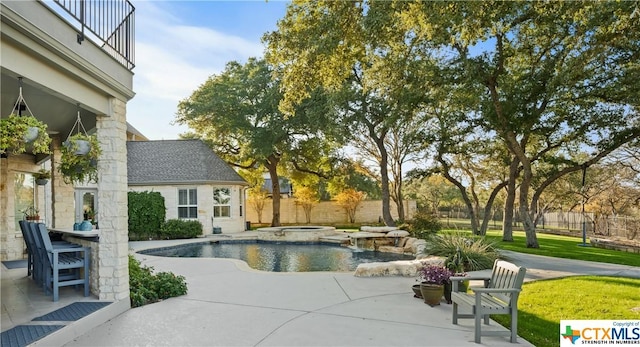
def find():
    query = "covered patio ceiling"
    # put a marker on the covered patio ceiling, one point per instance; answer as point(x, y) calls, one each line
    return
point(52, 108)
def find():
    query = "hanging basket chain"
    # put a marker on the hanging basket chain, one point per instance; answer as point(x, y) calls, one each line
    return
point(16, 106)
point(78, 124)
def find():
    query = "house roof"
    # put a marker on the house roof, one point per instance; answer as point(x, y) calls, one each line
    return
point(135, 134)
point(176, 162)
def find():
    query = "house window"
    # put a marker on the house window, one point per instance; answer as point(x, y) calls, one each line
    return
point(187, 203)
point(240, 199)
point(221, 202)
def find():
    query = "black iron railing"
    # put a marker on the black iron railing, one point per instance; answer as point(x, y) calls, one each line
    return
point(110, 22)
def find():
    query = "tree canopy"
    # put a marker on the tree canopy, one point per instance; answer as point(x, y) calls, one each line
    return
point(554, 83)
point(236, 113)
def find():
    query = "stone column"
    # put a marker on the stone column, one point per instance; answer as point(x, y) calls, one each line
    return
point(63, 212)
point(113, 266)
point(7, 214)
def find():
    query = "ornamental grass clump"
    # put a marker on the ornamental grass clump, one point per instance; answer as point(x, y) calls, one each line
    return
point(434, 274)
point(463, 252)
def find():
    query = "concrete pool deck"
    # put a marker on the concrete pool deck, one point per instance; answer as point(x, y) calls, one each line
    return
point(230, 304)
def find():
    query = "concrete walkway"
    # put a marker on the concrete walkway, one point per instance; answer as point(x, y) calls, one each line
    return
point(230, 304)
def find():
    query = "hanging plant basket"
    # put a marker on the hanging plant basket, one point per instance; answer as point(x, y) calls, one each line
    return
point(21, 132)
point(80, 152)
point(42, 177)
point(77, 168)
point(78, 145)
point(17, 134)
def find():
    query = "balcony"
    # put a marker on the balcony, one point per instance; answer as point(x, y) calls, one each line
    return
point(110, 23)
point(67, 53)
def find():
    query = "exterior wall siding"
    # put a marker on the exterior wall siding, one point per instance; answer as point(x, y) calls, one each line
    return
point(205, 205)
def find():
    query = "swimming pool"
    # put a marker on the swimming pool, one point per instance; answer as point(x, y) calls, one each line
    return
point(282, 256)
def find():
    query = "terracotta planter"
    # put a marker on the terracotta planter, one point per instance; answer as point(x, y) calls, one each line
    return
point(432, 293)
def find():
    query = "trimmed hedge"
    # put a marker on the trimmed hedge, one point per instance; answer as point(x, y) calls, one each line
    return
point(181, 229)
point(147, 213)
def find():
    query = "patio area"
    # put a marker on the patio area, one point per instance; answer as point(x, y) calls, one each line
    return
point(230, 304)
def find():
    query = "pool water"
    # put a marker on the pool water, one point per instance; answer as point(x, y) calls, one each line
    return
point(282, 256)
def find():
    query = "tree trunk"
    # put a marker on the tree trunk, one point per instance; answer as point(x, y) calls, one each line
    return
point(489, 207)
point(507, 220)
point(272, 164)
point(400, 203)
point(529, 227)
point(475, 214)
point(463, 192)
point(384, 175)
point(467, 201)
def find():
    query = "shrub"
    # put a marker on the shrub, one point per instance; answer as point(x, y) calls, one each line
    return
point(473, 252)
point(423, 225)
point(181, 229)
point(146, 215)
point(146, 288)
point(349, 200)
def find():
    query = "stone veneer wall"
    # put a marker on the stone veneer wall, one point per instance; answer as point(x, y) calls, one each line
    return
point(63, 204)
point(13, 246)
point(327, 212)
point(113, 270)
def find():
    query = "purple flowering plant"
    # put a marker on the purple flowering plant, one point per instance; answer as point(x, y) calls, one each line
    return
point(434, 274)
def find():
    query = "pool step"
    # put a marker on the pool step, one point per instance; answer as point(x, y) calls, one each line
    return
point(338, 239)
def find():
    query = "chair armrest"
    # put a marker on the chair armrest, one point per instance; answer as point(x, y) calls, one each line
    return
point(471, 278)
point(495, 290)
point(70, 250)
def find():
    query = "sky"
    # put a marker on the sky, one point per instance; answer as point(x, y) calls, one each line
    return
point(179, 44)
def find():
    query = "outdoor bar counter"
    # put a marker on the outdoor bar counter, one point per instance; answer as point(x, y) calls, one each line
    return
point(90, 239)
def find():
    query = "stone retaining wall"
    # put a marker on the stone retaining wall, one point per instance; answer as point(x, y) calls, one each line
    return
point(614, 244)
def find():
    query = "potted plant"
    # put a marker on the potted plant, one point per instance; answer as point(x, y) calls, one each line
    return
point(16, 132)
point(78, 168)
point(42, 177)
point(456, 265)
point(31, 213)
point(433, 279)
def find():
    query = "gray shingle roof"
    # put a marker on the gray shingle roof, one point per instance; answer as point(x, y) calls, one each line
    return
point(176, 161)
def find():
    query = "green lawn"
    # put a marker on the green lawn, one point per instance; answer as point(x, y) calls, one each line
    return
point(543, 304)
point(564, 247)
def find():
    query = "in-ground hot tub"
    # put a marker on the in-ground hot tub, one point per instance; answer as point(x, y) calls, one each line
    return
point(295, 233)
